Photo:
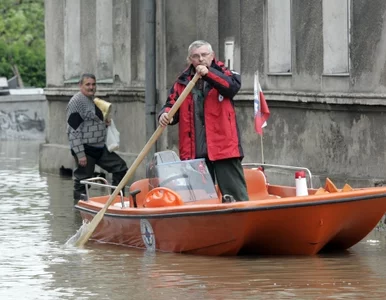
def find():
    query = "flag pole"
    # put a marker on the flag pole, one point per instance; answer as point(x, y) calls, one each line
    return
point(262, 149)
point(256, 95)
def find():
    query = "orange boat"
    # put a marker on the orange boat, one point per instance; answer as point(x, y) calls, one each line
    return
point(179, 209)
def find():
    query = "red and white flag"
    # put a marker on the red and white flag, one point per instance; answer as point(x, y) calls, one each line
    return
point(260, 106)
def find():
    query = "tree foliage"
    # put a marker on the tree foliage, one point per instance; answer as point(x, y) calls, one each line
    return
point(22, 42)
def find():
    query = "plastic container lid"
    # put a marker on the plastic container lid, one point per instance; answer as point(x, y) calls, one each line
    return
point(300, 174)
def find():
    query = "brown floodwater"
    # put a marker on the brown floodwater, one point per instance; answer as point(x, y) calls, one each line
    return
point(37, 218)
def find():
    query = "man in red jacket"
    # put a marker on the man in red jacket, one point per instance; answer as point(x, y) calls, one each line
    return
point(207, 119)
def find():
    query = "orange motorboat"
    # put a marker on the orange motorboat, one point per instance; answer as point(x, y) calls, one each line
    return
point(179, 209)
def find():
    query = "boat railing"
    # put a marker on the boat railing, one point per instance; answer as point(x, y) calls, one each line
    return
point(93, 182)
point(294, 168)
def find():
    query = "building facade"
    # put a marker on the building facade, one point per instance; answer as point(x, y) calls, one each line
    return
point(321, 65)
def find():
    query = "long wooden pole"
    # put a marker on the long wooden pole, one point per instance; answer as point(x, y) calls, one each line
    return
point(86, 234)
point(262, 149)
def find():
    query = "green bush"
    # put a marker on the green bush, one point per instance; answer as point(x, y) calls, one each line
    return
point(22, 40)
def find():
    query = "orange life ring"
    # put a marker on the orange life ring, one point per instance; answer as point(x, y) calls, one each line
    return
point(162, 196)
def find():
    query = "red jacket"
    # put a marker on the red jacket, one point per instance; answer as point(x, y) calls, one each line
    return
point(222, 133)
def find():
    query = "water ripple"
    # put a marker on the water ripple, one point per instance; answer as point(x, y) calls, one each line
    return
point(37, 218)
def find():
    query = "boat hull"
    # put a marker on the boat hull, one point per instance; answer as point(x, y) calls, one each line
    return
point(275, 226)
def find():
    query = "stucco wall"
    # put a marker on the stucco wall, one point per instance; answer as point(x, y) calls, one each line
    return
point(331, 123)
point(343, 142)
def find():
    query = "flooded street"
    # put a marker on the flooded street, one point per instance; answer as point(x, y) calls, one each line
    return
point(37, 218)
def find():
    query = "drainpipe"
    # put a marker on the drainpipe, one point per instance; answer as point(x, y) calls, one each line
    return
point(150, 76)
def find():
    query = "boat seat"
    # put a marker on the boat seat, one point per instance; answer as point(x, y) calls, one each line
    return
point(162, 197)
point(256, 184)
point(143, 187)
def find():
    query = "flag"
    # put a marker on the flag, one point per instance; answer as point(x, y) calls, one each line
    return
point(260, 106)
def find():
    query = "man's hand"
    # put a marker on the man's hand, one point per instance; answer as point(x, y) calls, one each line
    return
point(164, 120)
point(108, 122)
point(202, 70)
point(82, 161)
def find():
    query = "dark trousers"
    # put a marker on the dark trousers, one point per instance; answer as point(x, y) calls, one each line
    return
point(109, 161)
point(230, 178)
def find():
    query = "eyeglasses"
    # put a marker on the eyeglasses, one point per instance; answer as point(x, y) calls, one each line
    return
point(197, 56)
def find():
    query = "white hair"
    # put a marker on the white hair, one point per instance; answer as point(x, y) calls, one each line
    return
point(198, 44)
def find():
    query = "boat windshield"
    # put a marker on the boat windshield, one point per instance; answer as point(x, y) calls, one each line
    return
point(190, 178)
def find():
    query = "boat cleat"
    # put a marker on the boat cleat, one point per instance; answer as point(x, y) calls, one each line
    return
point(228, 198)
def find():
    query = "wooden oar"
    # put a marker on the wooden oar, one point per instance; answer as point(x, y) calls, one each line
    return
point(86, 234)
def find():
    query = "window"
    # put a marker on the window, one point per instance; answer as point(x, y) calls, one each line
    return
point(72, 49)
point(104, 39)
point(279, 36)
point(229, 54)
point(336, 30)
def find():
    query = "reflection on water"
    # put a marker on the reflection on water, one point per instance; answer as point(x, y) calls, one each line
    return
point(37, 218)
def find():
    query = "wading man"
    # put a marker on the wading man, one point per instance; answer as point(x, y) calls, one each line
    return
point(86, 130)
